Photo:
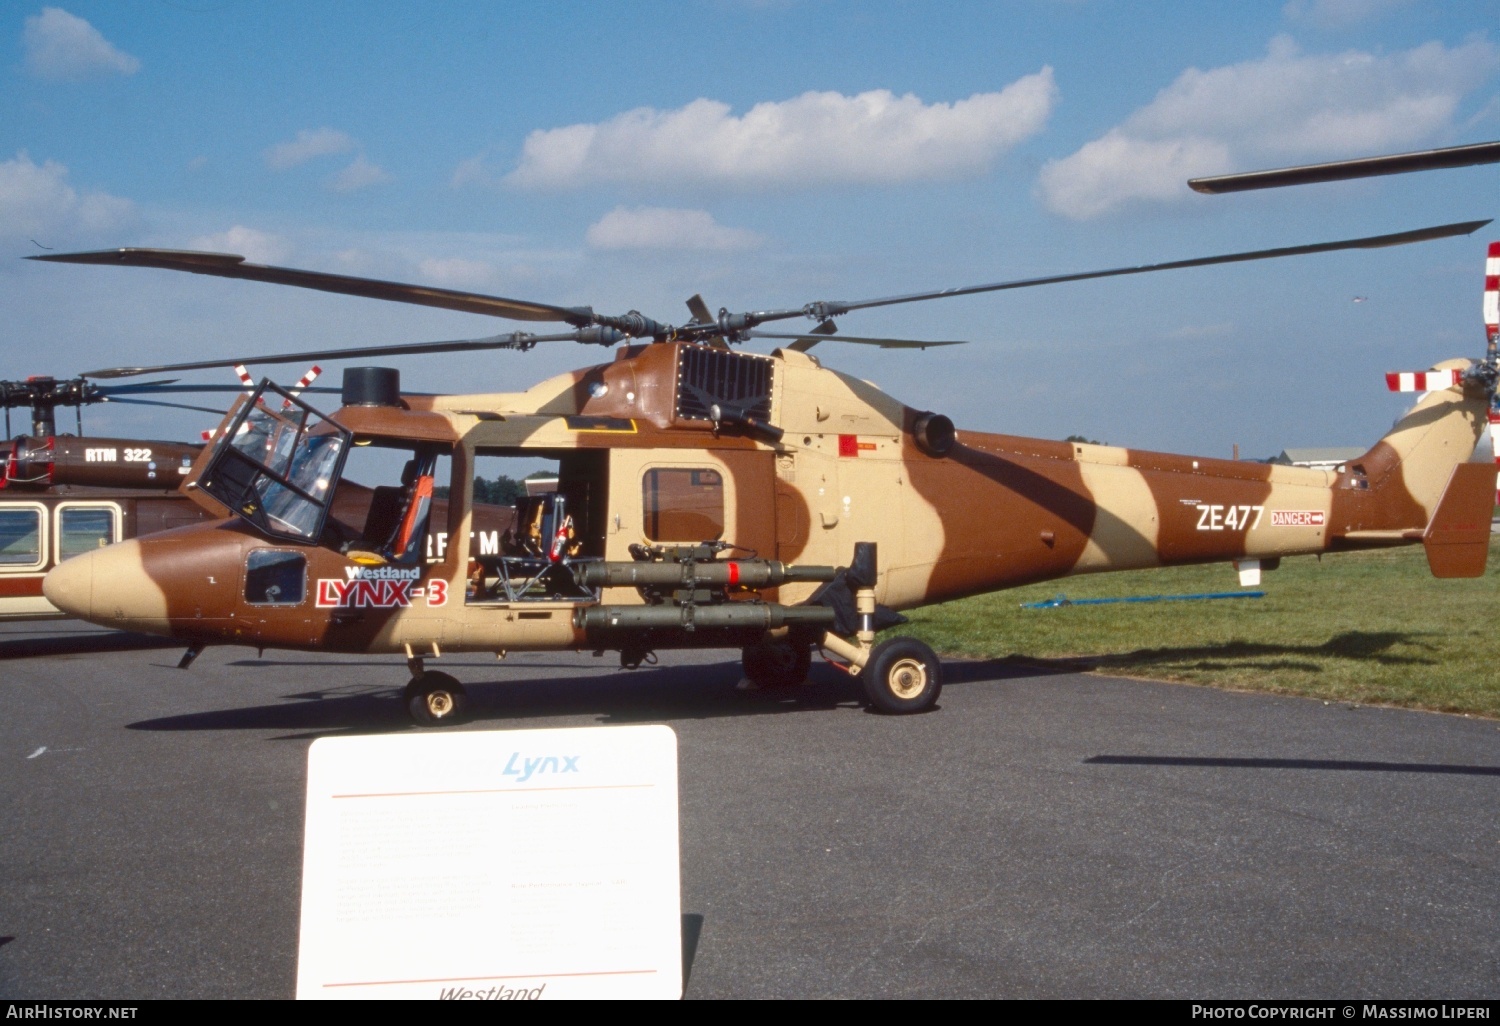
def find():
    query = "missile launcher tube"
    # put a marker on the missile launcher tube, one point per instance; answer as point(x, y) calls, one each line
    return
point(743, 573)
point(756, 615)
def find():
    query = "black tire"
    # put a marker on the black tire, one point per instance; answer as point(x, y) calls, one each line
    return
point(777, 664)
point(436, 700)
point(902, 676)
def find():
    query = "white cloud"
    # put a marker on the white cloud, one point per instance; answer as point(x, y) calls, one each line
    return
point(360, 174)
point(663, 228)
point(309, 144)
point(1336, 14)
point(36, 202)
point(257, 247)
point(60, 45)
point(1285, 108)
point(813, 139)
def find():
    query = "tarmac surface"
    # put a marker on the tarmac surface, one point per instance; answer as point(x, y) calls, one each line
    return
point(1038, 835)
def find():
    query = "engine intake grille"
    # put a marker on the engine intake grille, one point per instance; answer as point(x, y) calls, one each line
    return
point(708, 376)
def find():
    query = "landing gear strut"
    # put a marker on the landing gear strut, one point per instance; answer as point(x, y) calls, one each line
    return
point(900, 675)
point(436, 699)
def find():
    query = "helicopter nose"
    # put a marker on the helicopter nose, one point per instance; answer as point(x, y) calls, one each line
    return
point(70, 586)
point(108, 587)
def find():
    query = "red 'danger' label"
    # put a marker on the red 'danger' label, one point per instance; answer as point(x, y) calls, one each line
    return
point(1297, 518)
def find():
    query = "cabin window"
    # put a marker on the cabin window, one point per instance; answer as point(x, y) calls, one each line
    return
point(683, 504)
point(20, 538)
point(83, 529)
point(275, 578)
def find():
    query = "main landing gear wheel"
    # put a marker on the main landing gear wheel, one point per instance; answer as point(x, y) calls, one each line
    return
point(902, 676)
point(436, 700)
point(777, 664)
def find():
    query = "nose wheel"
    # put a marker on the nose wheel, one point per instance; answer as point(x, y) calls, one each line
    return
point(902, 676)
point(435, 699)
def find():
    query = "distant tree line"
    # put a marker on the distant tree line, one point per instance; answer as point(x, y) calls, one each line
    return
point(502, 491)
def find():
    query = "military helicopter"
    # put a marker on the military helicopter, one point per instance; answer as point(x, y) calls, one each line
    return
point(709, 497)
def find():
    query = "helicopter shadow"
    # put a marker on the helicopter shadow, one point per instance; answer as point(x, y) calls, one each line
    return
point(647, 695)
point(1336, 765)
point(1358, 646)
point(701, 691)
point(74, 643)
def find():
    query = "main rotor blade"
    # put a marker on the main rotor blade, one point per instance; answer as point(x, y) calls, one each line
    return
point(833, 309)
point(699, 309)
point(228, 265)
point(515, 340)
point(806, 341)
point(148, 388)
point(158, 402)
point(1361, 167)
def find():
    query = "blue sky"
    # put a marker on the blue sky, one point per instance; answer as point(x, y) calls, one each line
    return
point(767, 154)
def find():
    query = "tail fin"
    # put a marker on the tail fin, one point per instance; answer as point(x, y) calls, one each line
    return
point(1409, 469)
point(1457, 538)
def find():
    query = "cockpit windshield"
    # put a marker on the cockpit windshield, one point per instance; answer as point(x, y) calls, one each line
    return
point(278, 465)
point(297, 506)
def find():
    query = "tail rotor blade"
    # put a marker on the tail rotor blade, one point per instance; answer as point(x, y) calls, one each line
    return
point(1423, 381)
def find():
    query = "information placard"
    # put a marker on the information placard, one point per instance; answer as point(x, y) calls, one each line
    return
point(505, 865)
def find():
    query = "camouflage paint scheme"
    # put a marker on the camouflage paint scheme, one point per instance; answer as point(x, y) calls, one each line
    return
point(138, 481)
point(994, 512)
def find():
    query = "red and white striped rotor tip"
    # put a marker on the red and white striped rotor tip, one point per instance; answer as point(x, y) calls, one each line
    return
point(1495, 446)
point(1422, 381)
point(1492, 292)
point(302, 382)
point(307, 379)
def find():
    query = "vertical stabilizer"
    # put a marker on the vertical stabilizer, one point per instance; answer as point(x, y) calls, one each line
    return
point(1411, 466)
point(1457, 539)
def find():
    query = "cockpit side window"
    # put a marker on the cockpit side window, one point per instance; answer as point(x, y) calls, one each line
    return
point(275, 577)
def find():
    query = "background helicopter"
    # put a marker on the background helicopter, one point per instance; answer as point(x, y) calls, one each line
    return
point(63, 494)
point(709, 498)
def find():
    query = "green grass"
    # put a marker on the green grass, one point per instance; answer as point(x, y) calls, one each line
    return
point(1368, 627)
